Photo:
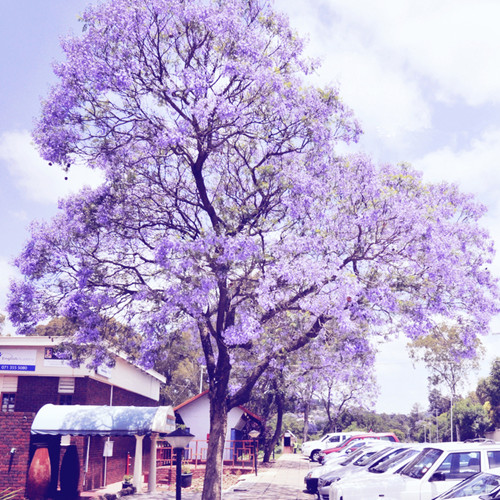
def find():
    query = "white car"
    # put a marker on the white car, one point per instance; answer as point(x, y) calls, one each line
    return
point(380, 453)
point(480, 486)
point(337, 462)
point(311, 449)
point(355, 487)
point(438, 467)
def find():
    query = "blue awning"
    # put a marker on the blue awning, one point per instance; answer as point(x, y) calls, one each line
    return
point(83, 420)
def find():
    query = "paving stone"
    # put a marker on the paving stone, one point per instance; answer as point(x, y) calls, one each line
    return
point(283, 481)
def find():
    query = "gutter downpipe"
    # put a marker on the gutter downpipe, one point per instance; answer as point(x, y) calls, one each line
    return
point(106, 457)
point(86, 462)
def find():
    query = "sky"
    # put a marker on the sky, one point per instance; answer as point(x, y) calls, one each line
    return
point(422, 77)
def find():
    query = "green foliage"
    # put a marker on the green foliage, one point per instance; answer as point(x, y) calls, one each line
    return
point(291, 422)
point(470, 418)
point(438, 403)
point(448, 358)
point(488, 391)
point(353, 427)
point(366, 421)
point(179, 363)
point(399, 433)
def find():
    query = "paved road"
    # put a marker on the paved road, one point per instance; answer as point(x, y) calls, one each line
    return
point(283, 481)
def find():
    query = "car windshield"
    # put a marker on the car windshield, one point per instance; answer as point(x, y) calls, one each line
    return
point(369, 458)
point(392, 460)
point(482, 482)
point(422, 463)
point(353, 456)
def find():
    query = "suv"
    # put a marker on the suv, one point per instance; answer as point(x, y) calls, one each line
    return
point(434, 470)
point(312, 449)
point(384, 436)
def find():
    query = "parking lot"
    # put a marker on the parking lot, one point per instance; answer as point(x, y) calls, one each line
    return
point(283, 481)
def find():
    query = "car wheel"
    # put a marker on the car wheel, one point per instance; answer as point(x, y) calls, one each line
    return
point(315, 456)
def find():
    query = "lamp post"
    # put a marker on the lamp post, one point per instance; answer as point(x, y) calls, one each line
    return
point(179, 439)
point(254, 434)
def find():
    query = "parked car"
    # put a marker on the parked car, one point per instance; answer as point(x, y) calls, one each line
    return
point(338, 461)
point(483, 485)
point(347, 451)
point(385, 436)
point(311, 449)
point(356, 487)
point(382, 453)
point(438, 467)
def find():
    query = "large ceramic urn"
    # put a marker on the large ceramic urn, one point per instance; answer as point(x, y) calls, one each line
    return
point(38, 484)
point(70, 473)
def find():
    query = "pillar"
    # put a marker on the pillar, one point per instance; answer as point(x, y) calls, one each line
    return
point(152, 464)
point(137, 481)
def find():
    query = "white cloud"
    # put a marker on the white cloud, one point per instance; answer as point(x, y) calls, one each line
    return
point(20, 215)
point(386, 102)
point(6, 273)
point(454, 43)
point(386, 98)
point(37, 180)
point(394, 60)
point(475, 168)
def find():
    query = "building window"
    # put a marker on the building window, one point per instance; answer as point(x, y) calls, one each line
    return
point(65, 399)
point(8, 401)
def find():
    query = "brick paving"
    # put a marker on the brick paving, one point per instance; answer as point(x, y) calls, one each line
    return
point(283, 481)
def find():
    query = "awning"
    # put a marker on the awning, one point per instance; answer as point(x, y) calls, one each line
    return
point(83, 420)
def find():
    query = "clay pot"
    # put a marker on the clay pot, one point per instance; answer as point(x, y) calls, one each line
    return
point(70, 473)
point(38, 484)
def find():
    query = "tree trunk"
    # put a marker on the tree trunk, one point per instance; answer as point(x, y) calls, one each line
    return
point(269, 447)
point(306, 422)
point(212, 486)
point(219, 407)
point(328, 409)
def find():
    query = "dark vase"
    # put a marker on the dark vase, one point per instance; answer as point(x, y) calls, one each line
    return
point(70, 473)
point(38, 484)
point(186, 480)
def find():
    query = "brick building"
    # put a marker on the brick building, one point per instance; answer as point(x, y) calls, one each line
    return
point(35, 384)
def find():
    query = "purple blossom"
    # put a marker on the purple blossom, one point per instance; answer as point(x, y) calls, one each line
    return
point(226, 210)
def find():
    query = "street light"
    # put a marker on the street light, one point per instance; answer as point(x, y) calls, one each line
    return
point(179, 439)
point(254, 434)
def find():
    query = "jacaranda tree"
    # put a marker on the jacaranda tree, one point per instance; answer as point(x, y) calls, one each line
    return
point(225, 210)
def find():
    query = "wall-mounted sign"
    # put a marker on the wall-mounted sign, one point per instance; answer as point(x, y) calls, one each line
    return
point(17, 360)
point(104, 371)
point(50, 358)
point(108, 449)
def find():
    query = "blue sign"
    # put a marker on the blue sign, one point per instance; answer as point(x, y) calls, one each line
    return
point(18, 368)
point(17, 360)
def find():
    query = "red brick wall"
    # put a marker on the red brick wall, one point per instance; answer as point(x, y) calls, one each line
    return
point(14, 433)
point(32, 393)
point(93, 392)
point(121, 397)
